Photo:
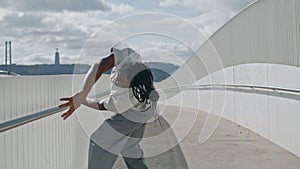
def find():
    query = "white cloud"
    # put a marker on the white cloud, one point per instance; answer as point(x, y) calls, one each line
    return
point(36, 27)
point(167, 52)
point(41, 26)
point(68, 59)
point(214, 13)
point(211, 21)
point(160, 55)
point(34, 32)
point(54, 5)
point(211, 5)
point(22, 20)
point(120, 8)
point(207, 5)
point(169, 3)
point(37, 58)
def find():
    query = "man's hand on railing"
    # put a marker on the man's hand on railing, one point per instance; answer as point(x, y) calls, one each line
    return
point(90, 79)
point(73, 103)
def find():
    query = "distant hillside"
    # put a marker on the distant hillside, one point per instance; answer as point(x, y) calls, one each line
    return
point(166, 67)
point(45, 69)
point(160, 70)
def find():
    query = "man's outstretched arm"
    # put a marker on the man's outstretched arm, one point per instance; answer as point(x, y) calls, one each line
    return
point(90, 79)
point(95, 73)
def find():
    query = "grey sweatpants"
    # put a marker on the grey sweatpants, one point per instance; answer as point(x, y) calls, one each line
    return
point(117, 135)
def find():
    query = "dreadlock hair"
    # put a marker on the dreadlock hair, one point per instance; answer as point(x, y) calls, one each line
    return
point(141, 82)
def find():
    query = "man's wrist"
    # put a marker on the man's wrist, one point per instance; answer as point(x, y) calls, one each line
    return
point(79, 98)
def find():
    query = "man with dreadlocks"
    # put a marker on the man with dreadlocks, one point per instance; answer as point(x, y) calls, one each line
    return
point(132, 98)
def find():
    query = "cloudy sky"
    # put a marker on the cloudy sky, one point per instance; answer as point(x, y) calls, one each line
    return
point(84, 30)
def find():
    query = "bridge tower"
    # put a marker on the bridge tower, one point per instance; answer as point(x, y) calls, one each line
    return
point(56, 57)
point(8, 52)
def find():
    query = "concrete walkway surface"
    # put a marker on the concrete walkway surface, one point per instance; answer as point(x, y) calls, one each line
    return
point(230, 147)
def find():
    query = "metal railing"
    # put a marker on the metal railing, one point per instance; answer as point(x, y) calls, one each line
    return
point(29, 118)
point(215, 86)
point(33, 117)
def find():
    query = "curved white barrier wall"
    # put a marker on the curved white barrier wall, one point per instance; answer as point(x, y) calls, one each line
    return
point(273, 117)
point(265, 32)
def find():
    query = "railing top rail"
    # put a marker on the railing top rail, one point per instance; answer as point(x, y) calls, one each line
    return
point(29, 118)
point(232, 85)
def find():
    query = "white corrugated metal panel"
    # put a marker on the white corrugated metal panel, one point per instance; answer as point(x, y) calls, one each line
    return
point(40, 144)
point(297, 22)
point(263, 33)
point(48, 143)
point(266, 32)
